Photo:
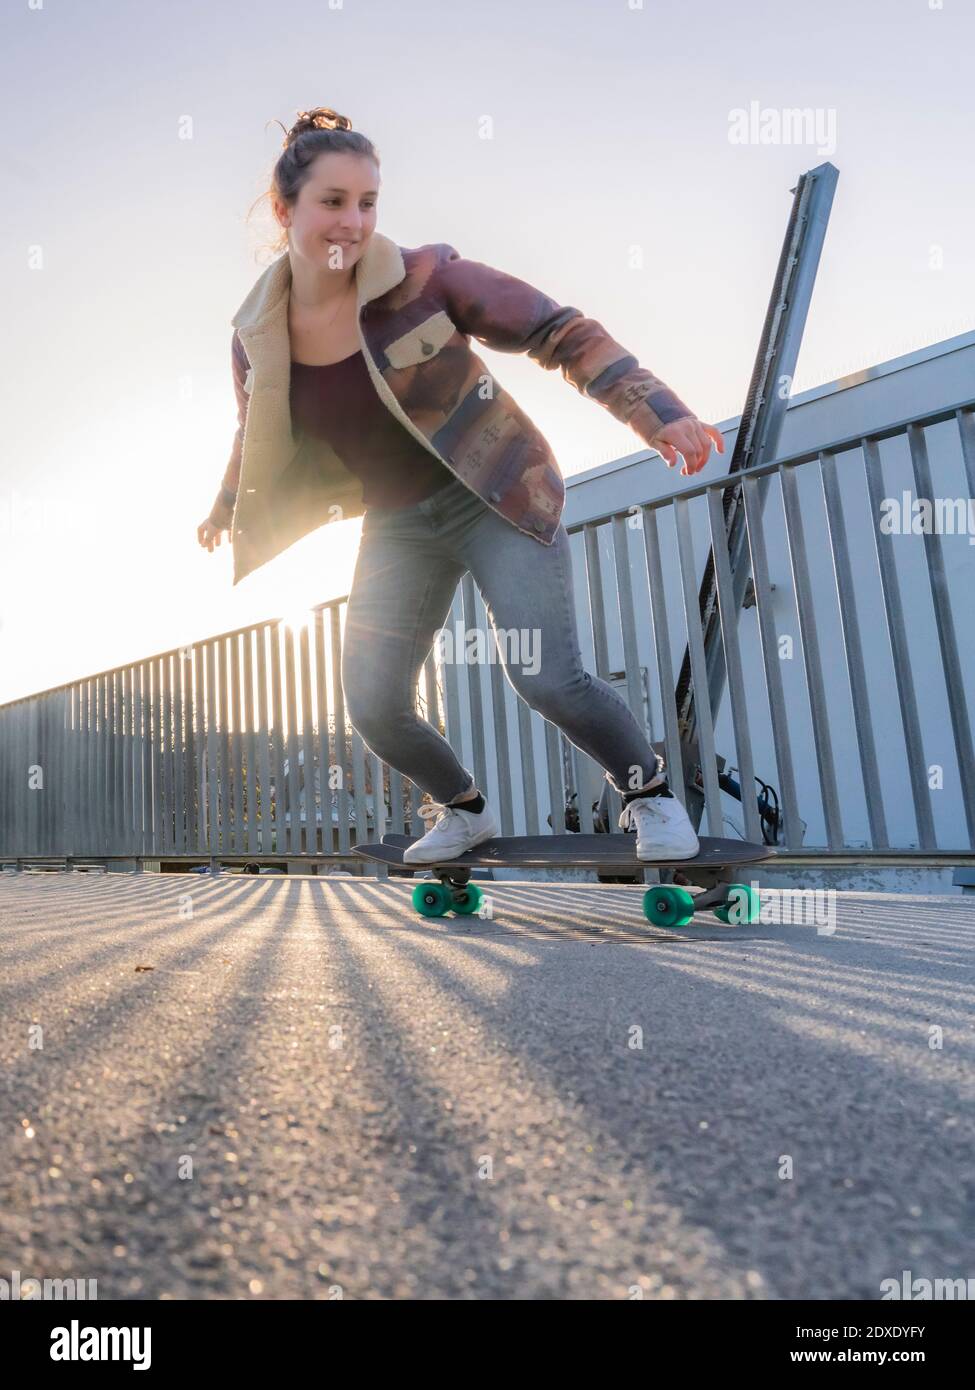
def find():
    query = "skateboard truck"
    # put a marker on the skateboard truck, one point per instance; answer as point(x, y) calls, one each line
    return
point(453, 893)
point(669, 905)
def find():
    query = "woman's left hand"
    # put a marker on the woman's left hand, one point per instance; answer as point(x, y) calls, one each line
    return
point(689, 437)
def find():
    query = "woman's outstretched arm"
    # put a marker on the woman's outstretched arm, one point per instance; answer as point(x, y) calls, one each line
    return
point(510, 315)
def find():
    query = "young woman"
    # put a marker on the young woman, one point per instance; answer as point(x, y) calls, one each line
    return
point(363, 347)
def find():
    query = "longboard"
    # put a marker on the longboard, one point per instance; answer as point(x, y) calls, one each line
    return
point(666, 905)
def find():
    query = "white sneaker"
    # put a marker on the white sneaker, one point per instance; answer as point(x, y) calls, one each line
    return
point(663, 828)
point(453, 831)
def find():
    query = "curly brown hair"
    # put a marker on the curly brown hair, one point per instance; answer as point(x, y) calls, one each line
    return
point(315, 132)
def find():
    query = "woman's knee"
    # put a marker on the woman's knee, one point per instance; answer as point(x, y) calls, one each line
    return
point(553, 698)
point(371, 705)
point(373, 715)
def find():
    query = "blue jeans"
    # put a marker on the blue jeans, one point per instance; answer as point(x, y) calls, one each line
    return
point(409, 564)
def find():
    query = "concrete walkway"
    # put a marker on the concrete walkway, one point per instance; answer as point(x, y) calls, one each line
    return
point(296, 1088)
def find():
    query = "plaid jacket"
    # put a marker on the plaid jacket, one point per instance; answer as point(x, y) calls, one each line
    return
point(417, 311)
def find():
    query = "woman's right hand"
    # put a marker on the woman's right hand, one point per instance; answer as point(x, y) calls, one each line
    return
point(208, 534)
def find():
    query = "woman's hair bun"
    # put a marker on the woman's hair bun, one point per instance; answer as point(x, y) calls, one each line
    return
point(319, 118)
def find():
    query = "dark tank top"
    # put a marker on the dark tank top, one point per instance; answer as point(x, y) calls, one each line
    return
point(339, 404)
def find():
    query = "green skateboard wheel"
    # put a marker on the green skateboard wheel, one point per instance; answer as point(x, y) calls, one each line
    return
point(666, 905)
point(742, 907)
point(467, 900)
point(432, 899)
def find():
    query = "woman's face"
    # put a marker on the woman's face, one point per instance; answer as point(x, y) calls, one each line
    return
point(335, 207)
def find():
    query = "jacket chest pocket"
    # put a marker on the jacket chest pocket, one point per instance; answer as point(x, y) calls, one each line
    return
point(422, 342)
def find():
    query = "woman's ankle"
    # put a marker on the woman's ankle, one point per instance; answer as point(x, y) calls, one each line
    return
point(472, 801)
point(470, 795)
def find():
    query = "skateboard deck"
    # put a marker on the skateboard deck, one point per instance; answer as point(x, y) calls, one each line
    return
point(567, 851)
point(665, 905)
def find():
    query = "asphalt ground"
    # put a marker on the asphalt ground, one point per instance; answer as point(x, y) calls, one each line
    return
point(297, 1088)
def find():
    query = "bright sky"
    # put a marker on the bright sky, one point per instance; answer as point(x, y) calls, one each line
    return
point(125, 251)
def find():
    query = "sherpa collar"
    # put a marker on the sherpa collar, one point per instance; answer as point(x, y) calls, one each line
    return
point(380, 267)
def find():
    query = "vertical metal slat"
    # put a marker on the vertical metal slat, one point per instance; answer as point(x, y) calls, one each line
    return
point(238, 841)
point(947, 640)
point(728, 615)
point(475, 698)
point(770, 656)
point(263, 739)
point(321, 742)
point(661, 643)
point(853, 646)
point(556, 791)
point(338, 698)
point(900, 652)
point(699, 670)
point(306, 750)
point(294, 777)
point(812, 658)
point(624, 589)
point(528, 782)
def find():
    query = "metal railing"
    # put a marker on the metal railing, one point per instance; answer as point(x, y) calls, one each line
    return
point(206, 750)
point(846, 647)
point(843, 624)
point(831, 699)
